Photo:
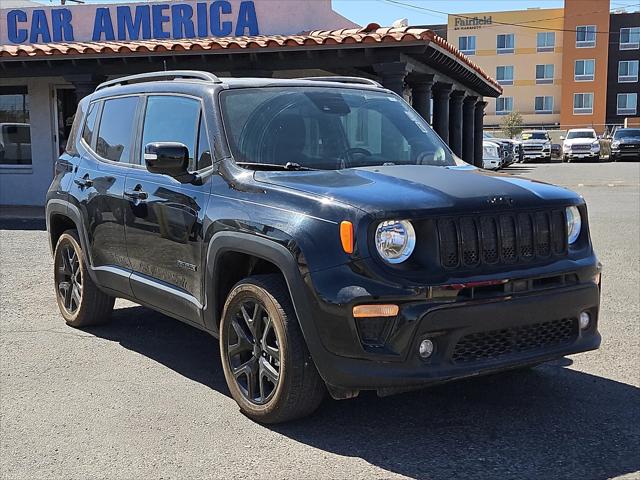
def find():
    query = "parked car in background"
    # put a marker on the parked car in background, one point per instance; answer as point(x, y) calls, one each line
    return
point(536, 145)
point(625, 144)
point(15, 143)
point(556, 150)
point(509, 151)
point(490, 156)
point(581, 144)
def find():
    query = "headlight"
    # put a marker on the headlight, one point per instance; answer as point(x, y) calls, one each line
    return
point(595, 146)
point(395, 240)
point(615, 144)
point(546, 146)
point(574, 224)
point(566, 147)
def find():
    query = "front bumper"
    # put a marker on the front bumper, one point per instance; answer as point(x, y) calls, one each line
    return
point(471, 338)
point(630, 154)
point(586, 155)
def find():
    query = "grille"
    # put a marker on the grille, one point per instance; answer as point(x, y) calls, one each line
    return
point(581, 148)
point(499, 343)
point(532, 148)
point(501, 239)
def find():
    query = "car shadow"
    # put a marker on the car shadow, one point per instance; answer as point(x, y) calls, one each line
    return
point(547, 422)
point(22, 224)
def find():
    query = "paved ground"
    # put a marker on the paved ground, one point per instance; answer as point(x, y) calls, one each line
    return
point(145, 397)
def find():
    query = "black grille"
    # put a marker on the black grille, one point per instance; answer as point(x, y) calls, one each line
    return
point(501, 239)
point(498, 343)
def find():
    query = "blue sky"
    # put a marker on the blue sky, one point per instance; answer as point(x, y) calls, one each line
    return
point(384, 13)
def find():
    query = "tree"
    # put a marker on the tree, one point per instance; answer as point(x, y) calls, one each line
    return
point(512, 124)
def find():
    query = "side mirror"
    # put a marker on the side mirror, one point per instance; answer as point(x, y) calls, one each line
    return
point(168, 158)
point(561, 137)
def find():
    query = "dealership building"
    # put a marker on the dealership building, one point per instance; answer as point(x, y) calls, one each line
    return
point(52, 56)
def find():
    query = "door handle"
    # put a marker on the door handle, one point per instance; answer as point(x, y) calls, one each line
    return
point(84, 182)
point(136, 194)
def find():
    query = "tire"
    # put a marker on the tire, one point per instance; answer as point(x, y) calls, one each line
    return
point(88, 306)
point(268, 316)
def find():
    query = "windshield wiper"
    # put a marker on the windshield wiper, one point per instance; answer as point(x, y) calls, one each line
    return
point(268, 166)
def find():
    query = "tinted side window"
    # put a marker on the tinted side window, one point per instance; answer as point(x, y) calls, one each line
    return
point(204, 149)
point(116, 129)
point(172, 119)
point(90, 123)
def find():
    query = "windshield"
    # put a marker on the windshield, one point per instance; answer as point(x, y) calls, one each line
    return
point(627, 133)
point(534, 136)
point(327, 128)
point(583, 134)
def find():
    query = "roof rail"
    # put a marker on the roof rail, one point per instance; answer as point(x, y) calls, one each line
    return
point(356, 80)
point(168, 75)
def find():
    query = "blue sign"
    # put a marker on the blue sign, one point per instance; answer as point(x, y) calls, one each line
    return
point(138, 22)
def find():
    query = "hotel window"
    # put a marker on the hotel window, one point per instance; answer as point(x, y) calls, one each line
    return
point(467, 45)
point(546, 41)
point(544, 105)
point(628, 71)
point(584, 70)
point(504, 74)
point(585, 36)
point(630, 38)
point(582, 103)
point(15, 131)
point(627, 103)
point(504, 105)
point(506, 43)
point(544, 74)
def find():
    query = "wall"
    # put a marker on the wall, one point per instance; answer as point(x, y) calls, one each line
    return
point(29, 187)
point(615, 55)
point(524, 59)
point(585, 12)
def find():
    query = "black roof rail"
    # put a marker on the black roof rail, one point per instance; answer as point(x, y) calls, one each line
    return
point(168, 75)
point(356, 80)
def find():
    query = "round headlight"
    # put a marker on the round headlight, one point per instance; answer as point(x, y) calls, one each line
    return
point(574, 224)
point(395, 240)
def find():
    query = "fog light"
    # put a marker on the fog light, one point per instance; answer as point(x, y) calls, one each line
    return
point(426, 348)
point(584, 320)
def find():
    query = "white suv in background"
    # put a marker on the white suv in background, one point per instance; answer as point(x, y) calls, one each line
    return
point(581, 144)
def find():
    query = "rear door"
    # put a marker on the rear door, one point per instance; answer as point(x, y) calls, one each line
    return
point(164, 218)
point(107, 152)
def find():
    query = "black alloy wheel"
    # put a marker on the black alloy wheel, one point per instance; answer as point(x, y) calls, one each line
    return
point(253, 351)
point(69, 279)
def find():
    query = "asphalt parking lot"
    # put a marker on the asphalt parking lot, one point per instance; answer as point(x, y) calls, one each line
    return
point(145, 397)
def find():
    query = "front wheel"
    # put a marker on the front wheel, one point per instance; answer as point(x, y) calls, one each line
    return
point(265, 359)
point(80, 301)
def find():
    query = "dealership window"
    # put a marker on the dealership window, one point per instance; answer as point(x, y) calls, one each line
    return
point(467, 45)
point(15, 131)
point(627, 103)
point(585, 36)
point(116, 129)
point(544, 74)
point(546, 41)
point(584, 70)
point(506, 43)
point(630, 38)
point(628, 71)
point(582, 103)
point(504, 105)
point(544, 104)
point(504, 74)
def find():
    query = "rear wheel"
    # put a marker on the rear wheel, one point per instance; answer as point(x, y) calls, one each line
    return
point(265, 359)
point(79, 299)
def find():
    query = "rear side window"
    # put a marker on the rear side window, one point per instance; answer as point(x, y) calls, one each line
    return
point(116, 129)
point(90, 123)
point(172, 119)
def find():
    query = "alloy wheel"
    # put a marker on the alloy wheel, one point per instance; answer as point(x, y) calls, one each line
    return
point(70, 279)
point(253, 352)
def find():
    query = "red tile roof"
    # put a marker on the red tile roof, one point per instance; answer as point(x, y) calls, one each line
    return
point(371, 34)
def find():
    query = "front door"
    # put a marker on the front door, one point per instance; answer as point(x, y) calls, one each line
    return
point(164, 218)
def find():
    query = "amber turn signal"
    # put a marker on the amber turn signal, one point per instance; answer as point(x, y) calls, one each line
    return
point(372, 311)
point(346, 236)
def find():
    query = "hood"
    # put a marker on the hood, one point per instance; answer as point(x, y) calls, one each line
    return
point(629, 140)
point(580, 141)
point(410, 189)
point(535, 141)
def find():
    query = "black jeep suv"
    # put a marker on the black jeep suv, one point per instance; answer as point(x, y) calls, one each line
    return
point(321, 230)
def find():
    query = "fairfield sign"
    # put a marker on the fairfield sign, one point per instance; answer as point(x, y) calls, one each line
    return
point(463, 23)
point(165, 20)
